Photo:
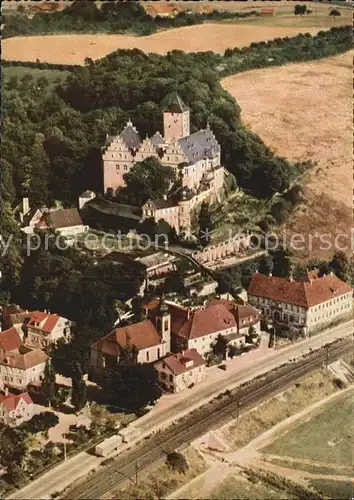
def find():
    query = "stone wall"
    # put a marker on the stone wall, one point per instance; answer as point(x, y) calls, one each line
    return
point(222, 250)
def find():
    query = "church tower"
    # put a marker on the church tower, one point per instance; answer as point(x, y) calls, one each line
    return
point(163, 324)
point(176, 120)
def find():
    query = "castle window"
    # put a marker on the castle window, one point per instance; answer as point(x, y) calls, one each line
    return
point(158, 352)
point(117, 168)
point(147, 356)
point(125, 167)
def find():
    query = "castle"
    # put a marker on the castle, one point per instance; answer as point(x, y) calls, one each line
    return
point(194, 157)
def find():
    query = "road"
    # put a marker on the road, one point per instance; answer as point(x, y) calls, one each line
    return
point(66, 473)
point(204, 419)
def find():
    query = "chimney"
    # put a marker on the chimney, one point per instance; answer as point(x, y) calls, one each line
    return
point(164, 197)
point(25, 206)
point(270, 274)
point(6, 391)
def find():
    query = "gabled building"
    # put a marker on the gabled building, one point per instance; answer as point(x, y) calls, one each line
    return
point(197, 328)
point(43, 329)
point(307, 304)
point(195, 158)
point(10, 340)
point(15, 409)
point(66, 222)
point(143, 342)
point(181, 371)
point(22, 366)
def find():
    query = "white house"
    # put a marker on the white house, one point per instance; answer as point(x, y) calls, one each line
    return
point(181, 371)
point(15, 408)
point(307, 304)
point(22, 366)
point(43, 330)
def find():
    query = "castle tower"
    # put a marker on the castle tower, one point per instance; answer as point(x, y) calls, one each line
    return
point(176, 120)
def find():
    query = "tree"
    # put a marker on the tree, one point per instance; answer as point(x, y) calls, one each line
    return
point(177, 462)
point(205, 225)
point(79, 389)
point(335, 12)
point(251, 335)
point(148, 179)
point(41, 422)
point(220, 346)
point(48, 388)
point(300, 10)
point(137, 308)
point(281, 263)
point(265, 264)
point(340, 265)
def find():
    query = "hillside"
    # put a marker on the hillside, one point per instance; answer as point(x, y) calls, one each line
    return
point(303, 111)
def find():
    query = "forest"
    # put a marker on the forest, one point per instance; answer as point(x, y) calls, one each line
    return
point(83, 16)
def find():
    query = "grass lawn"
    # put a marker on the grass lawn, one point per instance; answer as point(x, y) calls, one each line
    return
point(306, 392)
point(54, 76)
point(336, 490)
point(325, 438)
point(313, 469)
point(234, 487)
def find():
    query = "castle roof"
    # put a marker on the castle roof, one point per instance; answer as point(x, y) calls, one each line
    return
point(130, 136)
point(176, 105)
point(157, 139)
point(199, 146)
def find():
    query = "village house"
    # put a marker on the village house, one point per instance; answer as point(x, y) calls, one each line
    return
point(145, 342)
point(32, 218)
point(199, 327)
point(181, 371)
point(306, 304)
point(15, 409)
point(22, 366)
point(66, 222)
point(43, 330)
point(195, 158)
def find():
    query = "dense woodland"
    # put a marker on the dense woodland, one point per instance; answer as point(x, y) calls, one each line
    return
point(51, 150)
point(83, 16)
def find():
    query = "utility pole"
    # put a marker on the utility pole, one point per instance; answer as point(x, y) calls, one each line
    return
point(65, 457)
point(327, 356)
point(136, 473)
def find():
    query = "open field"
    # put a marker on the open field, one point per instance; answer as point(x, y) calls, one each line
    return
point(251, 425)
point(336, 490)
point(243, 489)
point(331, 436)
point(303, 111)
point(73, 49)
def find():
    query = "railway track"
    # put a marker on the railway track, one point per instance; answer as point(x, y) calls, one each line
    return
point(214, 414)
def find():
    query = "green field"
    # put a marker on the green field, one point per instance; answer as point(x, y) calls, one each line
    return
point(336, 490)
point(327, 438)
point(54, 76)
point(234, 487)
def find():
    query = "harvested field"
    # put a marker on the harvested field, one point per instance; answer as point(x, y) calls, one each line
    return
point(304, 111)
point(74, 49)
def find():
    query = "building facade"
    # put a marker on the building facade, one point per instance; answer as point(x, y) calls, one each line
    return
point(144, 342)
point(195, 158)
point(181, 371)
point(22, 366)
point(43, 330)
point(307, 305)
point(15, 409)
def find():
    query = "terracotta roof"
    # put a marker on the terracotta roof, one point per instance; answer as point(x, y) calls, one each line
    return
point(179, 314)
point(300, 293)
point(206, 321)
point(241, 312)
point(11, 401)
point(265, 10)
point(64, 218)
point(32, 358)
point(46, 321)
point(9, 340)
point(142, 335)
point(178, 363)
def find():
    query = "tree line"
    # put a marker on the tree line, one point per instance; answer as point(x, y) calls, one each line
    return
point(83, 16)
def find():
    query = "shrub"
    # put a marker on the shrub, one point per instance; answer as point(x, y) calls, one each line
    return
point(177, 462)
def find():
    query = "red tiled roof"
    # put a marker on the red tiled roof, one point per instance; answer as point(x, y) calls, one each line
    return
point(142, 335)
point(11, 401)
point(206, 321)
point(30, 359)
point(240, 311)
point(10, 340)
point(267, 10)
point(177, 363)
point(46, 321)
point(300, 293)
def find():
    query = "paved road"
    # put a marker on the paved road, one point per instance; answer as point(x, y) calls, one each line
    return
point(66, 473)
